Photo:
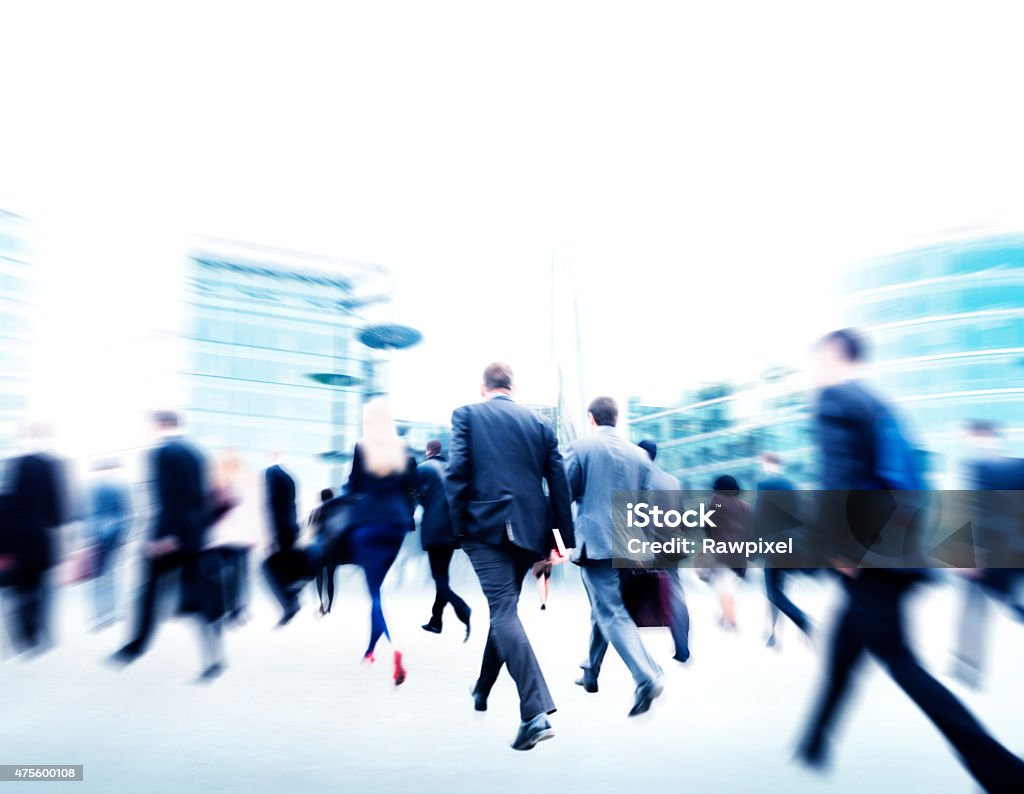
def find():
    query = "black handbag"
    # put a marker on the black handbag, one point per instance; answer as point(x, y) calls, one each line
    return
point(337, 517)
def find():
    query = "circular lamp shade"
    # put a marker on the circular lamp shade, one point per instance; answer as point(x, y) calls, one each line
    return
point(335, 456)
point(335, 378)
point(389, 336)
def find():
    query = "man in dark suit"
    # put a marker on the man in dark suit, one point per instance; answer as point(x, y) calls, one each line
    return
point(182, 519)
point(37, 507)
point(437, 537)
point(775, 511)
point(501, 453)
point(862, 449)
point(284, 568)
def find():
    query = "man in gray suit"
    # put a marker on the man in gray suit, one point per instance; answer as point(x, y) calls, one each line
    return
point(597, 466)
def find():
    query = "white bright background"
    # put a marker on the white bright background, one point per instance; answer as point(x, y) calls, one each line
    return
point(700, 168)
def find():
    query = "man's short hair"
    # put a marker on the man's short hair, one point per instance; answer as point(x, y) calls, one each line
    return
point(650, 447)
point(605, 411)
point(433, 447)
point(772, 458)
point(727, 484)
point(983, 427)
point(167, 419)
point(849, 343)
point(498, 376)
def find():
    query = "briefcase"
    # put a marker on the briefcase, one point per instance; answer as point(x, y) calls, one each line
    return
point(646, 595)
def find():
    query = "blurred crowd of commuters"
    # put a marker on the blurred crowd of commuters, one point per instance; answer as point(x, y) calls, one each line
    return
point(517, 505)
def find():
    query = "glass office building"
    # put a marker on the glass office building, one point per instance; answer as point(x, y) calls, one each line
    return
point(16, 298)
point(945, 328)
point(722, 429)
point(274, 360)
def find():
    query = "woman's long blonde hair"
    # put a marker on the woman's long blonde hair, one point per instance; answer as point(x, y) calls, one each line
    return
point(382, 449)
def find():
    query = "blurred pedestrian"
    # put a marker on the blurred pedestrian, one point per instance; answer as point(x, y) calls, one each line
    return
point(731, 524)
point(679, 613)
point(987, 472)
point(774, 512)
point(383, 482)
point(285, 567)
point(541, 571)
point(37, 507)
point(232, 536)
point(325, 573)
point(180, 526)
point(863, 448)
point(437, 537)
point(106, 527)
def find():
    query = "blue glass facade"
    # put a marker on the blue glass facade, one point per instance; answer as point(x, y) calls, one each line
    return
point(16, 293)
point(722, 429)
point(945, 326)
point(258, 333)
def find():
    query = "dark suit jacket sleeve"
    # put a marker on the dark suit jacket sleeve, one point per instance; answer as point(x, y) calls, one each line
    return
point(574, 473)
point(419, 494)
point(411, 486)
point(355, 474)
point(56, 501)
point(459, 473)
point(558, 490)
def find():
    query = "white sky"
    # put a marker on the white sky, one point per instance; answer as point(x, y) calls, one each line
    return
point(700, 168)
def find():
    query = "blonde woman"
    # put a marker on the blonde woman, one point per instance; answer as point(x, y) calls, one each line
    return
point(383, 478)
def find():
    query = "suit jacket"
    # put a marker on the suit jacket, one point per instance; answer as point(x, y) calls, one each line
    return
point(436, 522)
point(281, 507)
point(37, 506)
point(862, 449)
point(997, 515)
point(180, 489)
point(853, 426)
point(501, 454)
point(595, 467)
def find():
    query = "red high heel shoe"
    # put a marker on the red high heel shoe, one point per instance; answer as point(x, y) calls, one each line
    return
point(368, 657)
point(399, 669)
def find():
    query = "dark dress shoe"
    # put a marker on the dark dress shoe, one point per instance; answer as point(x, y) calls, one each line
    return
point(589, 683)
point(645, 695)
point(532, 732)
point(479, 699)
point(812, 753)
point(433, 628)
point(212, 672)
point(682, 658)
point(286, 618)
point(125, 656)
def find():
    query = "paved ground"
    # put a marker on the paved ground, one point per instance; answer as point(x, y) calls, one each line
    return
point(296, 712)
